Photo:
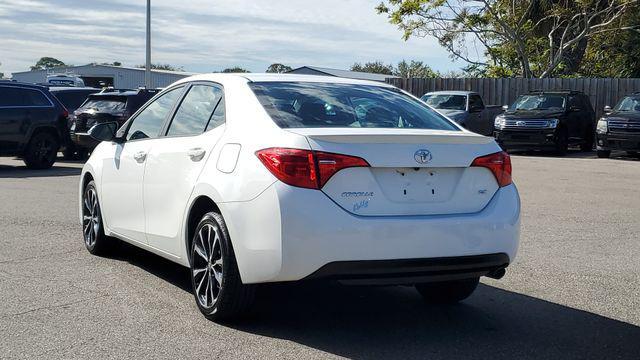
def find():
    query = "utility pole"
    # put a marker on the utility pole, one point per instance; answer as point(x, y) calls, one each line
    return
point(147, 67)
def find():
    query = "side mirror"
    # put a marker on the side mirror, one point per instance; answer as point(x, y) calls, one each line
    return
point(104, 131)
point(505, 107)
point(607, 109)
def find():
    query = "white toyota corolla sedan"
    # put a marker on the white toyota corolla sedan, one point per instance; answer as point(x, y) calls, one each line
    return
point(257, 178)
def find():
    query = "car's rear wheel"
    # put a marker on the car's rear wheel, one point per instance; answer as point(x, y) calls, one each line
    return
point(603, 154)
point(633, 153)
point(42, 151)
point(92, 229)
point(215, 279)
point(447, 292)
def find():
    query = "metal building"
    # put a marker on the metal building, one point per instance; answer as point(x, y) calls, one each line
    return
point(105, 75)
point(314, 70)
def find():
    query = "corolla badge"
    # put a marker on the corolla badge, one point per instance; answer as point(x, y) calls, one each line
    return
point(422, 156)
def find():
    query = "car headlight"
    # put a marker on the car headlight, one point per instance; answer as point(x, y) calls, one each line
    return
point(552, 123)
point(500, 122)
point(602, 127)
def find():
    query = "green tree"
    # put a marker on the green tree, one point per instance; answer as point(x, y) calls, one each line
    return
point(278, 68)
point(376, 67)
point(47, 63)
point(235, 69)
point(529, 38)
point(414, 69)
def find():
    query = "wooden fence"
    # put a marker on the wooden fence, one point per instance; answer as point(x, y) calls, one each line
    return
point(602, 92)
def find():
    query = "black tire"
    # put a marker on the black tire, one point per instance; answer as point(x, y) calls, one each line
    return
point(562, 143)
point(42, 151)
point(215, 279)
point(83, 154)
point(69, 152)
point(587, 145)
point(92, 226)
point(447, 292)
point(633, 153)
point(603, 154)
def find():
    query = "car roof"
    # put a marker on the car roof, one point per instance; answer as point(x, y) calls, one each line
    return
point(264, 77)
point(556, 92)
point(452, 92)
point(71, 88)
point(23, 85)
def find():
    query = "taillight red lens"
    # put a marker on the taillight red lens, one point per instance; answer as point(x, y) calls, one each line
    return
point(499, 164)
point(305, 168)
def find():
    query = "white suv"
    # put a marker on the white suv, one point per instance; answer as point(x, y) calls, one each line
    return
point(259, 178)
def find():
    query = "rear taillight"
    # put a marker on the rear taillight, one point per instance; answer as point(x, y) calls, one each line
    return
point(65, 113)
point(499, 164)
point(306, 168)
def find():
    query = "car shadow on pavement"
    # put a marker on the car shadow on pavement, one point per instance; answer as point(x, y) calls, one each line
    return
point(394, 322)
point(23, 172)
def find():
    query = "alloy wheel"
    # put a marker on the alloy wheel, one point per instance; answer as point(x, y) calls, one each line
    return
point(90, 217)
point(207, 265)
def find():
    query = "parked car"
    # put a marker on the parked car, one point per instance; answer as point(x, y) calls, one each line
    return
point(64, 80)
point(108, 105)
point(259, 178)
point(466, 108)
point(547, 120)
point(71, 98)
point(619, 128)
point(32, 124)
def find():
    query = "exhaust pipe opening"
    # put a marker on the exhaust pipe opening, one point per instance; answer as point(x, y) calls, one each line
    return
point(497, 274)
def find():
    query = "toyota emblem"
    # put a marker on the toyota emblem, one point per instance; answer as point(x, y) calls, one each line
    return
point(422, 156)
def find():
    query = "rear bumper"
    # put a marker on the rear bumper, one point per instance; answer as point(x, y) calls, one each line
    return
point(526, 139)
point(618, 141)
point(288, 234)
point(412, 271)
point(83, 140)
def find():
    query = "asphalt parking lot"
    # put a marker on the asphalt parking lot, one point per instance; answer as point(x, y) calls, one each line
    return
point(573, 292)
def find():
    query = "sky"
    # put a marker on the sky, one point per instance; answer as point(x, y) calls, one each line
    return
point(207, 35)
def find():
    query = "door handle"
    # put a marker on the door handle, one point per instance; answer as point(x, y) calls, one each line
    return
point(196, 154)
point(140, 156)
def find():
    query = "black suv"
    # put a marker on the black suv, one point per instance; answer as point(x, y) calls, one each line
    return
point(547, 120)
point(32, 124)
point(71, 98)
point(619, 129)
point(106, 106)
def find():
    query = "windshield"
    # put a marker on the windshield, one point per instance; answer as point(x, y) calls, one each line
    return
point(109, 105)
point(538, 102)
point(443, 101)
point(629, 104)
point(314, 105)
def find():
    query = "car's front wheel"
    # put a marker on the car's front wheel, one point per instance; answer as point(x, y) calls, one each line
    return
point(215, 279)
point(447, 292)
point(92, 229)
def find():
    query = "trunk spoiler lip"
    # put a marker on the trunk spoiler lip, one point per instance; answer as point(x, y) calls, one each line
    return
point(375, 135)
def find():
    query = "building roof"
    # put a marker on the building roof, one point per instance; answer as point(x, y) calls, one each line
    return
point(63, 69)
point(347, 74)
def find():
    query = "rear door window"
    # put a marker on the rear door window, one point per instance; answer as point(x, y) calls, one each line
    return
point(195, 111)
point(17, 97)
point(72, 99)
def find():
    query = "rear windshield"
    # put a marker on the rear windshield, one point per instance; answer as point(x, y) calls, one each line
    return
point(105, 104)
point(444, 101)
point(319, 105)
